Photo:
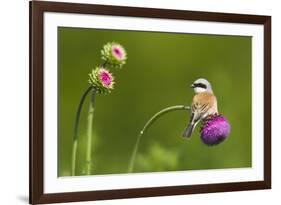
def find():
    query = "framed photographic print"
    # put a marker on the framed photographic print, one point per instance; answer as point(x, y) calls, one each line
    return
point(136, 102)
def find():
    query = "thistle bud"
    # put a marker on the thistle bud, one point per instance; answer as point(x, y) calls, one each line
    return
point(102, 80)
point(114, 54)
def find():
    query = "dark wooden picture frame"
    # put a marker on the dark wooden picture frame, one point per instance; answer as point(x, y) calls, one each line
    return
point(37, 9)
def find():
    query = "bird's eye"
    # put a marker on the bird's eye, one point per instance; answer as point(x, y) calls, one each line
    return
point(200, 85)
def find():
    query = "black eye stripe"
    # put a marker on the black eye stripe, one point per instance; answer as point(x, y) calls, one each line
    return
point(200, 85)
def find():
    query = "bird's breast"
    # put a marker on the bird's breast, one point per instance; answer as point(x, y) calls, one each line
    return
point(206, 99)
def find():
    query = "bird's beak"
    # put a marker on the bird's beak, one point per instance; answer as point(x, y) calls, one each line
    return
point(192, 85)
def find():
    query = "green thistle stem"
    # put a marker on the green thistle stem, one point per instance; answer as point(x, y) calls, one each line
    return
point(147, 125)
point(75, 135)
point(89, 132)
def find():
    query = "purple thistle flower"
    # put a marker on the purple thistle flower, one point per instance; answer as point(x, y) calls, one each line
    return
point(214, 130)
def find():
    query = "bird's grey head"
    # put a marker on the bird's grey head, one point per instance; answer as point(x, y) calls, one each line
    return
point(201, 85)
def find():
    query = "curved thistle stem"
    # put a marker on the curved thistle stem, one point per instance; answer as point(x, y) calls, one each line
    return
point(147, 125)
point(75, 132)
point(89, 132)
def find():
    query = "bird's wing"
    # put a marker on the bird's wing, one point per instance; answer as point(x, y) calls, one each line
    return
point(200, 106)
point(198, 111)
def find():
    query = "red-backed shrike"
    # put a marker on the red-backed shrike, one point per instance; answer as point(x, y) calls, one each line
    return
point(204, 104)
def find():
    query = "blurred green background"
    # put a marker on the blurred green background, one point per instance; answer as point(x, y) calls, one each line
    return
point(159, 70)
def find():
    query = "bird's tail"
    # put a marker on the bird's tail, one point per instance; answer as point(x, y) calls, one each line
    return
point(188, 130)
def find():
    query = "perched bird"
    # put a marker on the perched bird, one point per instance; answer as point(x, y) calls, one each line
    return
point(204, 104)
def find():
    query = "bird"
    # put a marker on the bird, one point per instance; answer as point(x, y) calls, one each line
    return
point(204, 105)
